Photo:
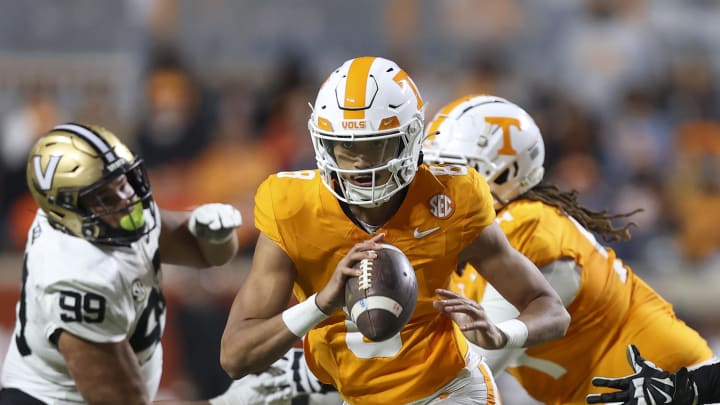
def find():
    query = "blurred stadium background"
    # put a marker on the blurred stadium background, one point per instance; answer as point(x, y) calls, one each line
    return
point(213, 94)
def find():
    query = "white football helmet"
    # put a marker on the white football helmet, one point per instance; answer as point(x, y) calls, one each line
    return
point(368, 99)
point(496, 137)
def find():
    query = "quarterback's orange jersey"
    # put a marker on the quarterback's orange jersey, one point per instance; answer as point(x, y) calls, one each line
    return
point(444, 210)
point(612, 307)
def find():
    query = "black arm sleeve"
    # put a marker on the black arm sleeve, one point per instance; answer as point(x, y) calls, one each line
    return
point(707, 380)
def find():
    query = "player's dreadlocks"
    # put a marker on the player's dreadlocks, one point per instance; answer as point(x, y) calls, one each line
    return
point(599, 222)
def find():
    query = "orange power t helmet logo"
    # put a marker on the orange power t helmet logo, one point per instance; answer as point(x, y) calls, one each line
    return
point(505, 123)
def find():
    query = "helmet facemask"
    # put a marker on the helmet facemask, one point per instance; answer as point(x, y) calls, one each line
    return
point(391, 158)
point(112, 209)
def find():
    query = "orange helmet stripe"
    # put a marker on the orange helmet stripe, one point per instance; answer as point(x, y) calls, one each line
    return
point(443, 113)
point(356, 87)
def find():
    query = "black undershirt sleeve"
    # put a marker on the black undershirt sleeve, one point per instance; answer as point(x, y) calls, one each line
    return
point(707, 380)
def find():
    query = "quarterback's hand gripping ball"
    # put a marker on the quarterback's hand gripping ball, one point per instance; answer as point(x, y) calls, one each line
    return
point(214, 222)
point(381, 300)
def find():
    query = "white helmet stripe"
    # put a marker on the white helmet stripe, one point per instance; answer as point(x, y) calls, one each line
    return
point(92, 138)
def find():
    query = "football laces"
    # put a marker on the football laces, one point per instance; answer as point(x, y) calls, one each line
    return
point(365, 278)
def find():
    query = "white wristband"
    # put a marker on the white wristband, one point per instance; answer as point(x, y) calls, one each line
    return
point(516, 332)
point(303, 316)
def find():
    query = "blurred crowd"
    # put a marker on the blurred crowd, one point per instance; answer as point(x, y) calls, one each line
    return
point(625, 92)
point(214, 96)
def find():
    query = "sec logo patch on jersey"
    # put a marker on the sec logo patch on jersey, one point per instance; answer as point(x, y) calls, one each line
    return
point(441, 206)
point(381, 300)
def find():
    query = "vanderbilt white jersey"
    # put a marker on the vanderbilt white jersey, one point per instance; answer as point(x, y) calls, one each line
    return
point(100, 293)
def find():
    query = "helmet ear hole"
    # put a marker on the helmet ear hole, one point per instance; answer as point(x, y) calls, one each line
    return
point(65, 199)
point(502, 177)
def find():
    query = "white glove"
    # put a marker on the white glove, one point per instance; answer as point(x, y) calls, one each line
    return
point(267, 388)
point(214, 222)
point(289, 377)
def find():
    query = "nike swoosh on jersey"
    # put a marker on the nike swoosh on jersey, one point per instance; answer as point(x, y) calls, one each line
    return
point(417, 233)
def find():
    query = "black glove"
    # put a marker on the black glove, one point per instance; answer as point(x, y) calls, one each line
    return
point(648, 386)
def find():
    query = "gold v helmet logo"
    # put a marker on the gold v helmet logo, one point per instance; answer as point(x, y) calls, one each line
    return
point(45, 178)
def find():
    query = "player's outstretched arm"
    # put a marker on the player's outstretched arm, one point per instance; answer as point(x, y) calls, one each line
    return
point(203, 237)
point(104, 373)
point(542, 314)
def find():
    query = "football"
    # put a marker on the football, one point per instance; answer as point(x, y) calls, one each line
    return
point(382, 299)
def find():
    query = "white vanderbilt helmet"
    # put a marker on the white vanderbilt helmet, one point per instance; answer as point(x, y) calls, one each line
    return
point(494, 136)
point(368, 99)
